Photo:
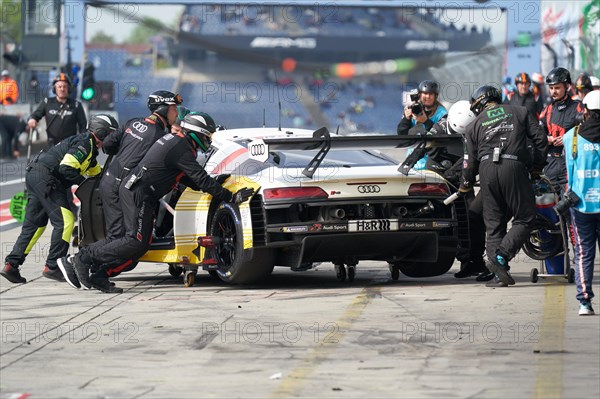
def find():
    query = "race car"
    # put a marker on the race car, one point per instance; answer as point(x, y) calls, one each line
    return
point(318, 198)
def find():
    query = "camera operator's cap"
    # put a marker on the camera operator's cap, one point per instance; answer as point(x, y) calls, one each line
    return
point(429, 86)
point(595, 82)
point(5, 72)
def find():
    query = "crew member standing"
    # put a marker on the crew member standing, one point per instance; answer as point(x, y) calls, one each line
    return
point(64, 116)
point(128, 146)
point(562, 114)
point(47, 177)
point(170, 159)
point(524, 97)
point(496, 147)
point(582, 151)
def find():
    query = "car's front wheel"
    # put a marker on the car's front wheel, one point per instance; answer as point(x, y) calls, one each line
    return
point(233, 267)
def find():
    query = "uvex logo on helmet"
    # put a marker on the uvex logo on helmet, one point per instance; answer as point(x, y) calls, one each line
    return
point(166, 100)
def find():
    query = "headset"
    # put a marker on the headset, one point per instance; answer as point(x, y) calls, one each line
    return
point(62, 77)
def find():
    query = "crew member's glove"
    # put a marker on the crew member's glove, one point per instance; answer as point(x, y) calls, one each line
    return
point(222, 178)
point(242, 195)
point(50, 186)
point(535, 174)
point(462, 191)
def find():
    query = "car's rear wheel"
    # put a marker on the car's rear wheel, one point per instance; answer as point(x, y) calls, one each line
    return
point(233, 268)
point(428, 269)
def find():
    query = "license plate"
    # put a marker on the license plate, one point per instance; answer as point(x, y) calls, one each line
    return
point(373, 225)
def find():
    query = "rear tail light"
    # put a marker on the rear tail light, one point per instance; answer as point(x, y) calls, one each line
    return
point(428, 189)
point(294, 193)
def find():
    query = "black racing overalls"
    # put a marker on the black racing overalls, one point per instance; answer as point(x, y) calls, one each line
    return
point(504, 179)
point(128, 146)
point(171, 159)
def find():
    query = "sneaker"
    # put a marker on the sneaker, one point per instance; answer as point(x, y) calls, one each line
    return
point(11, 273)
point(496, 283)
point(497, 266)
point(485, 276)
point(66, 268)
point(585, 309)
point(102, 284)
point(83, 272)
point(53, 273)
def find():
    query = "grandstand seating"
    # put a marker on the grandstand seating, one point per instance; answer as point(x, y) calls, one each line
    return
point(133, 79)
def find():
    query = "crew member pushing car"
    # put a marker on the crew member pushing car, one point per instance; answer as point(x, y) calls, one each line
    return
point(128, 146)
point(170, 160)
point(47, 179)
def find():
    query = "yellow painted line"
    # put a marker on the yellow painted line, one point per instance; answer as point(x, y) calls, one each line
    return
point(293, 382)
point(550, 359)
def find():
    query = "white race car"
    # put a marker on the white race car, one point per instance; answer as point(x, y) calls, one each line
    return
point(318, 198)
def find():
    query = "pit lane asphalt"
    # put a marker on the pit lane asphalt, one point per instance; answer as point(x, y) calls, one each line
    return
point(296, 335)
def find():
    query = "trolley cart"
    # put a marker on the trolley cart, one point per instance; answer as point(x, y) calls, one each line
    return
point(549, 241)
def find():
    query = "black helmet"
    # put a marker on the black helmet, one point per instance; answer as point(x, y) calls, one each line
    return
point(200, 127)
point(484, 95)
point(584, 82)
point(429, 86)
point(62, 77)
point(558, 75)
point(522, 78)
point(102, 125)
point(159, 101)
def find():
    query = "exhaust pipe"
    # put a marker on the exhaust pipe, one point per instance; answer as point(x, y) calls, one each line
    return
point(424, 210)
point(336, 213)
point(399, 211)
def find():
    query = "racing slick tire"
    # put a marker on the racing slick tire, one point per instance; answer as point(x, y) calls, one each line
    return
point(428, 269)
point(234, 267)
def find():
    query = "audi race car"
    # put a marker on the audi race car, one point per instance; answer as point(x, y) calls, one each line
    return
point(318, 198)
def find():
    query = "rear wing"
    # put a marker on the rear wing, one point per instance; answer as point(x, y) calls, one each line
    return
point(321, 140)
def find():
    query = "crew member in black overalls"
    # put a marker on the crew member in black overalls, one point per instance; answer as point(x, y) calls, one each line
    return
point(560, 116)
point(64, 116)
point(170, 160)
point(47, 179)
point(128, 146)
point(496, 147)
point(524, 97)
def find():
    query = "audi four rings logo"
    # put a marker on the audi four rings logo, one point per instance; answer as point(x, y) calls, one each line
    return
point(369, 189)
point(140, 127)
point(257, 149)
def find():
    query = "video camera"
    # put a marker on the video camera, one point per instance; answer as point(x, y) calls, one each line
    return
point(416, 107)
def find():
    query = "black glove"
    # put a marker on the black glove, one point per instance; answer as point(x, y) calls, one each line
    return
point(536, 174)
point(222, 178)
point(242, 195)
point(50, 186)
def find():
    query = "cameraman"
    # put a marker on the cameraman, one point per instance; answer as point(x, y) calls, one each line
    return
point(423, 111)
point(582, 156)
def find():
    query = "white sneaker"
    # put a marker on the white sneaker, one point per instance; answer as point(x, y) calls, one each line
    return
point(585, 309)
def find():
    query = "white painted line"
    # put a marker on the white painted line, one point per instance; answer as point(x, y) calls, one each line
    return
point(8, 183)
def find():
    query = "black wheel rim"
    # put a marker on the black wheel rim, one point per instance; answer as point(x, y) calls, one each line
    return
point(225, 250)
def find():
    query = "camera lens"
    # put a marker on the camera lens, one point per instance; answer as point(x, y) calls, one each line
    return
point(416, 108)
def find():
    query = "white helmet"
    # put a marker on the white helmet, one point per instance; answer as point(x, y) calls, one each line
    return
point(460, 116)
point(592, 100)
point(595, 82)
